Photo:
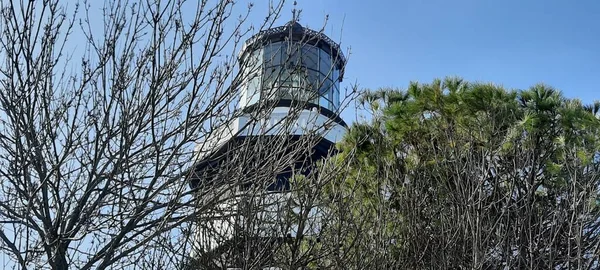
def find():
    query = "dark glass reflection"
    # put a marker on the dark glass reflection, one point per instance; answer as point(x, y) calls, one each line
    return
point(293, 71)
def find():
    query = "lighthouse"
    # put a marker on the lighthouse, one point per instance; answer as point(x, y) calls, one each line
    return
point(285, 121)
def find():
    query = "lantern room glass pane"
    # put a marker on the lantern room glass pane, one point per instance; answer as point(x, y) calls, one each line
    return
point(336, 97)
point(296, 71)
point(271, 76)
point(310, 57)
point(336, 75)
point(253, 93)
point(325, 94)
point(314, 77)
point(273, 54)
point(324, 62)
point(324, 102)
point(325, 87)
point(292, 56)
point(251, 73)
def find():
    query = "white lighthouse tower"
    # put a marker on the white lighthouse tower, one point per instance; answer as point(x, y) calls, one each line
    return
point(289, 90)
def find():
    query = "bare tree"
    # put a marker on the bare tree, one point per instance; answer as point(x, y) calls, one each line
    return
point(100, 109)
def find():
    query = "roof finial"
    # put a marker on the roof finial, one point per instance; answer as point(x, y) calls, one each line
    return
point(295, 13)
point(293, 25)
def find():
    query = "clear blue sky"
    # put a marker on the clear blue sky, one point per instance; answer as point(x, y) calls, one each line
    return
point(513, 43)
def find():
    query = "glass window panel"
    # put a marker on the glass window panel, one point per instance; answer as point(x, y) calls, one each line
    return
point(273, 53)
point(250, 65)
point(325, 94)
point(257, 57)
point(286, 93)
point(249, 74)
point(330, 95)
point(324, 102)
point(314, 99)
point(268, 55)
point(279, 55)
point(292, 56)
point(325, 87)
point(271, 76)
point(286, 78)
point(273, 81)
point(314, 78)
point(302, 78)
point(299, 79)
point(307, 95)
point(253, 90)
point(336, 75)
point(324, 62)
point(336, 97)
point(310, 57)
point(244, 97)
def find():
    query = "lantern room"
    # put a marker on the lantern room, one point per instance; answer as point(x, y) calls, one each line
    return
point(291, 64)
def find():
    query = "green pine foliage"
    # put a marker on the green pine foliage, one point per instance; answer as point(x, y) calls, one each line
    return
point(454, 174)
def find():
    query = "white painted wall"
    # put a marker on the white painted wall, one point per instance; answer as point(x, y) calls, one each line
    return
point(308, 121)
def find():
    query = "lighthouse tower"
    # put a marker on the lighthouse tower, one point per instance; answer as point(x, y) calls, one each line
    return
point(288, 84)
